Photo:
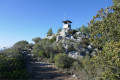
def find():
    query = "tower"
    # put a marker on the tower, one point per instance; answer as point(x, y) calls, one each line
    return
point(66, 24)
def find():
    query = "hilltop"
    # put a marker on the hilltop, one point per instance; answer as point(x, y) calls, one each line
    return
point(86, 53)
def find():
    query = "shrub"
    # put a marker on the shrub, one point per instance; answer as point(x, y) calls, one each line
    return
point(51, 59)
point(41, 54)
point(63, 61)
point(52, 40)
point(74, 31)
point(12, 68)
point(37, 39)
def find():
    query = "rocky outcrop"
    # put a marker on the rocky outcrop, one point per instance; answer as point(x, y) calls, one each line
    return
point(69, 40)
point(78, 37)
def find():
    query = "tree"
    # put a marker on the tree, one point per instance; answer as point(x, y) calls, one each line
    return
point(116, 2)
point(106, 24)
point(59, 30)
point(12, 62)
point(106, 62)
point(36, 40)
point(20, 46)
point(84, 29)
point(49, 33)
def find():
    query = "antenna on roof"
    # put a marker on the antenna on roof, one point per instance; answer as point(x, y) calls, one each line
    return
point(64, 15)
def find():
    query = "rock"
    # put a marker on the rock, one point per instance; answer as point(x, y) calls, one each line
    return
point(79, 39)
point(66, 47)
point(72, 38)
point(50, 37)
point(58, 38)
point(73, 54)
point(90, 47)
point(74, 75)
point(63, 33)
point(83, 49)
point(86, 51)
point(80, 34)
point(68, 30)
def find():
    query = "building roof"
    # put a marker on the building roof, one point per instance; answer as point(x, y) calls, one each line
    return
point(67, 21)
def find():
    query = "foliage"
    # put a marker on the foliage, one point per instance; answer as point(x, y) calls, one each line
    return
point(36, 40)
point(51, 59)
point(84, 29)
point(74, 31)
point(63, 61)
point(70, 46)
point(12, 67)
point(108, 61)
point(38, 49)
point(81, 44)
point(20, 46)
point(13, 61)
point(59, 30)
point(52, 40)
point(116, 2)
point(106, 25)
point(41, 53)
point(47, 46)
point(49, 33)
point(104, 29)
point(105, 33)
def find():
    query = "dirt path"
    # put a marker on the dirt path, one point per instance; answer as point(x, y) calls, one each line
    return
point(47, 71)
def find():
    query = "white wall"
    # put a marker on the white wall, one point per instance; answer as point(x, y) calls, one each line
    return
point(65, 25)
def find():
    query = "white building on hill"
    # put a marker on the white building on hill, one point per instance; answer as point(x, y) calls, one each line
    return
point(66, 24)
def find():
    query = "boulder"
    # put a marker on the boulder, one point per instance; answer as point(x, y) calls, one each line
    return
point(72, 38)
point(74, 54)
point(63, 33)
point(79, 39)
point(58, 38)
point(80, 34)
point(90, 47)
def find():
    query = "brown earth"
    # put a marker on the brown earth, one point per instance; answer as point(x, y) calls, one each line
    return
point(47, 71)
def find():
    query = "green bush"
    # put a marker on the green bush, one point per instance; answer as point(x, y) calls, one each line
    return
point(12, 68)
point(52, 40)
point(41, 53)
point(63, 61)
point(51, 59)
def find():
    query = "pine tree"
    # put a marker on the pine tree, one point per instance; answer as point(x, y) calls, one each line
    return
point(50, 32)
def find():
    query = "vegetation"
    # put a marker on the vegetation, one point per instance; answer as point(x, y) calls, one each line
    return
point(59, 30)
point(104, 31)
point(84, 29)
point(47, 47)
point(63, 61)
point(50, 32)
point(13, 62)
point(36, 40)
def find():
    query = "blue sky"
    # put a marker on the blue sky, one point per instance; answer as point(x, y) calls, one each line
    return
point(27, 19)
